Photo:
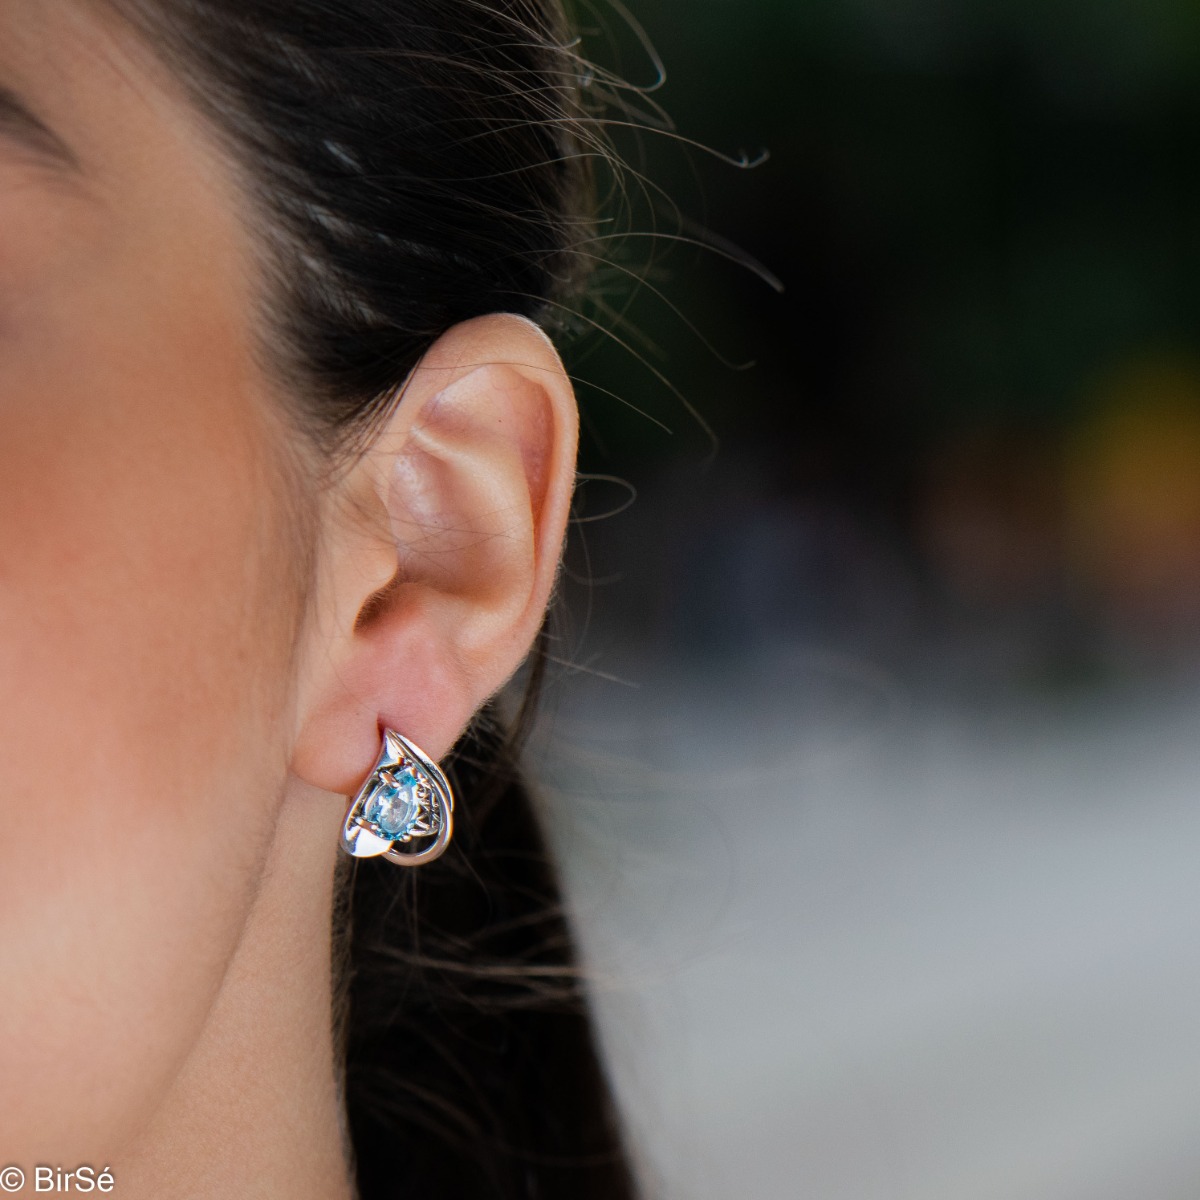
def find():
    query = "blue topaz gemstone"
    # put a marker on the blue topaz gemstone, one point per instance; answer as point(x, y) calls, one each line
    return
point(404, 811)
point(393, 805)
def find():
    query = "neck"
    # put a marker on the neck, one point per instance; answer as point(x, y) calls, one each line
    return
point(256, 1110)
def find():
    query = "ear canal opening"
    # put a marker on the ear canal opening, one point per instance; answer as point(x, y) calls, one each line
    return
point(377, 602)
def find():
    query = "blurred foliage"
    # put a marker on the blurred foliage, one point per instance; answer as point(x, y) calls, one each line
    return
point(977, 207)
point(970, 442)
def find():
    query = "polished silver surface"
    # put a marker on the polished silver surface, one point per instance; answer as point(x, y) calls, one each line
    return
point(429, 833)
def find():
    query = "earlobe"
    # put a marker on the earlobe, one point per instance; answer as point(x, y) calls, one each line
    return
point(435, 581)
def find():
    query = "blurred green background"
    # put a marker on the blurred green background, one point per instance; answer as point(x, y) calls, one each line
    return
point(975, 412)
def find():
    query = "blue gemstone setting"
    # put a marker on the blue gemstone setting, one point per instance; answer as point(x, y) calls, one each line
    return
point(394, 806)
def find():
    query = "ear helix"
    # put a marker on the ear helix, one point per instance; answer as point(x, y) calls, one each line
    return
point(405, 809)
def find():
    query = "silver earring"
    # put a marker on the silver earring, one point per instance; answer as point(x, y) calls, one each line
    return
point(406, 800)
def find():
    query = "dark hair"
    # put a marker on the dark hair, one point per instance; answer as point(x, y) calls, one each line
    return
point(411, 165)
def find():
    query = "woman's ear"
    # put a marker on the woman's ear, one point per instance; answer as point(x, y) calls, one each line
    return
point(439, 551)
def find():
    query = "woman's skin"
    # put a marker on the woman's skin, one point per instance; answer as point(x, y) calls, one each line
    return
point(198, 647)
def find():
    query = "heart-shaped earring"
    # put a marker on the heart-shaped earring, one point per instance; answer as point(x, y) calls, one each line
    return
point(406, 799)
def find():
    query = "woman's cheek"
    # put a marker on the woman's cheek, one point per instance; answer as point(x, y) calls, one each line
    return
point(142, 677)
